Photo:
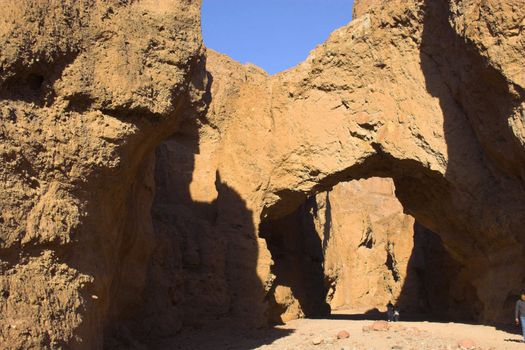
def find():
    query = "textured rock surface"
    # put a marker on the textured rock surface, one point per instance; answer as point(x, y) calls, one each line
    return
point(88, 89)
point(402, 92)
point(368, 244)
point(429, 93)
point(361, 7)
point(374, 253)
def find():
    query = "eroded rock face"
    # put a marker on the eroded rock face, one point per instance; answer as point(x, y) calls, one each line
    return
point(368, 244)
point(412, 90)
point(208, 261)
point(404, 91)
point(88, 89)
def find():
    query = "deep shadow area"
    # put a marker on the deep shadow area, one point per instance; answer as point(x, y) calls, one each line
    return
point(223, 335)
point(429, 285)
point(373, 314)
point(485, 157)
point(433, 288)
point(204, 265)
point(202, 274)
point(298, 255)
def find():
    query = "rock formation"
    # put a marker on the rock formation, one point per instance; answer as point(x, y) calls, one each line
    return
point(358, 251)
point(368, 244)
point(88, 90)
point(357, 238)
point(100, 236)
point(400, 92)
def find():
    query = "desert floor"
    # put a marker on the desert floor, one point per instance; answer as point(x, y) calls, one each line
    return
point(322, 334)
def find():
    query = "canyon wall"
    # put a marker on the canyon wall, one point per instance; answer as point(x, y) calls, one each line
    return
point(405, 92)
point(351, 245)
point(401, 92)
point(100, 236)
point(369, 242)
point(87, 91)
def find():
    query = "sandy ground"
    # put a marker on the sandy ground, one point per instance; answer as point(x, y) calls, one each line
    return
point(302, 334)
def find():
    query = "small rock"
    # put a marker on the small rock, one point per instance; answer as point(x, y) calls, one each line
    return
point(466, 344)
point(317, 341)
point(366, 329)
point(397, 347)
point(343, 335)
point(380, 326)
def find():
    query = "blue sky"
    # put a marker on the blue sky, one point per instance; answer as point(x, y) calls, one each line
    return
point(273, 34)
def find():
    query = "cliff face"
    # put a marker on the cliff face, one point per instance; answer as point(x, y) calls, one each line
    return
point(97, 236)
point(369, 242)
point(349, 247)
point(87, 91)
point(402, 92)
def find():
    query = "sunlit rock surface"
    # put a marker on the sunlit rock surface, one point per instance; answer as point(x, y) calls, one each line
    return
point(103, 237)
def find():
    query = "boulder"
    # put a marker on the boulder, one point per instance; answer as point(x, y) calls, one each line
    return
point(343, 334)
point(466, 344)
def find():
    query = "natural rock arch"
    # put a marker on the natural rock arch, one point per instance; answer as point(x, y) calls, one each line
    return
point(401, 93)
point(355, 249)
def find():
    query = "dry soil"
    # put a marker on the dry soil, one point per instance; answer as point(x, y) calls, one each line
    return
point(305, 333)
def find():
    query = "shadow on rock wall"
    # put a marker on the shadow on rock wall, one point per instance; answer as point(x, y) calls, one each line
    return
point(204, 264)
point(298, 255)
point(485, 158)
point(433, 288)
point(202, 272)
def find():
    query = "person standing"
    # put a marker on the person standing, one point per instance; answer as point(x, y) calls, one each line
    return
point(396, 313)
point(519, 313)
point(390, 311)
